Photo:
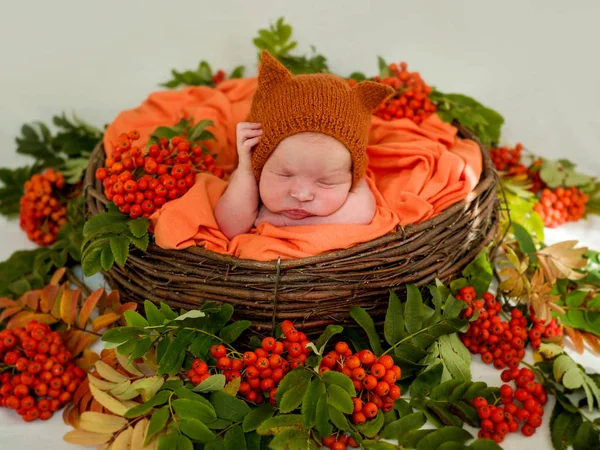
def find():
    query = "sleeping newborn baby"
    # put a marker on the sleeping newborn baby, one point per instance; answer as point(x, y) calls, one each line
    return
point(302, 153)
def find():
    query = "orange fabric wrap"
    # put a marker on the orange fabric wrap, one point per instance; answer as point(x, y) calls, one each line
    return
point(415, 172)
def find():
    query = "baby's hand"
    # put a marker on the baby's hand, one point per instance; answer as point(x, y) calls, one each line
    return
point(248, 136)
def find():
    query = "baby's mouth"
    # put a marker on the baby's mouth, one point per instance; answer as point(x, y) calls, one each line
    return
point(296, 213)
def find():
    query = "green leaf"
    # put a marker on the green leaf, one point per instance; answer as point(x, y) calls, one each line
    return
point(219, 424)
point(340, 399)
point(213, 383)
point(235, 439)
point(558, 429)
point(141, 348)
point(139, 226)
point(338, 419)
point(106, 258)
point(91, 263)
point(315, 391)
point(189, 408)
point(120, 334)
point(144, 408)
point(154, 316)
point(413, 309)
point(393, 327)
point(366, 322)
point(290, 439)
point(157, 423)
point(575, 298)
point(525, 241)
point(426, 381)
point(171, 359)
point(587, 437)
point(231, 332)
point(291, 379)
point(572, 378)
point(257, 416)
point(292, 398)
point(184, 443)
point(403, 425)
point(167, 441)
point(322, 417)
point(446, 434)
point(341, 380)
point(104, 223)
point(195, 429)
point(135, 319)
point(484, 444)
point(455, 357)
point(329, 332)
point(120, 248)
point(276, 424)
point(371, 427)
point(228, 407)
point(384, 70)
point(479, 273)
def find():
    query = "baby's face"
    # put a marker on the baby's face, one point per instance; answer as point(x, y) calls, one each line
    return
point(308, 174)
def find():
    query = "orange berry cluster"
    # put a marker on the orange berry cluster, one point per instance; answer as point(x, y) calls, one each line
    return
point(139, 184)
point(541, 330)
point(533, 172)
point(374, 379)
point(497, 341)
point(38, 374)
point(561, 205)
point(261, 370)
point(508, 160)
point(498, 421)
point(411, 100)
point(42, 212)
point(339, 442)
point(218, 77)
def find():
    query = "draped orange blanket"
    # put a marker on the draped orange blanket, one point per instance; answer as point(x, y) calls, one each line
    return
point(415, 172)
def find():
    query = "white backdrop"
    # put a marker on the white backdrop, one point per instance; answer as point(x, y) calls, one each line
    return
point(536, 62)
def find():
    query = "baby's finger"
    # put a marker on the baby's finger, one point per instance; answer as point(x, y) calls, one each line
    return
point(252, 125)
point(250, 143)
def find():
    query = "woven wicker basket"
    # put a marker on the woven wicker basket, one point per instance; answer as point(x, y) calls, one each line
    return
point(318, 290)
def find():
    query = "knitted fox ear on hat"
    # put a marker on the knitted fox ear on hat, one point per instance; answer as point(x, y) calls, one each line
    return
point(285, 105)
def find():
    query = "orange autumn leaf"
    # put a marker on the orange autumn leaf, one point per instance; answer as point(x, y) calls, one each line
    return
point(21, 319)
point(560, 260)
point(129, 306)
point(68, 305)
point(87, 360)
point(55, 280)
point(88, 307)
point(105, 321)
point(6, 302)
point(592, 340)
point(113, 300)
point(576, 338)
point(9, 312)
point(31, 298)
point(83, 343)
point(48, 297)
point(542, 301)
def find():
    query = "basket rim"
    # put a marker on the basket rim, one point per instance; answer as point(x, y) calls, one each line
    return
point(487, 177)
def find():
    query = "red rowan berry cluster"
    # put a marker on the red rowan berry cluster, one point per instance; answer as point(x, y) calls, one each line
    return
point(412, 95)
point(261, 370)
point(533, 172)
point(374, 379)
point(339, 442)
point(561, 205)
point(42, 211)
point(508, 160)
point(498, 421)
point(38, 374)
point(541, 330)
point(497, 341)
point(139, 184)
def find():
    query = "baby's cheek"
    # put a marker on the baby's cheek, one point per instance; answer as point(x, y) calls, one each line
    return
point(332, 200)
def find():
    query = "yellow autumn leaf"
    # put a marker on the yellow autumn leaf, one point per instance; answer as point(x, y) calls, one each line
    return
point(128, 365)
point(109, 402)
point(123, 440)
point(104, 321)
point(559, 260)
point(121, 388)
point(101, 423)
point(139, 433)
point(542, 301)
point(148, 386)
point(101, 384)
point(68, 305)
point(129, 394)
point(110, 374)
point(86, 438)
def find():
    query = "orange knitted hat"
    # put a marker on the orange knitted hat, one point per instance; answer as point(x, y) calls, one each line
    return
point(322, 103)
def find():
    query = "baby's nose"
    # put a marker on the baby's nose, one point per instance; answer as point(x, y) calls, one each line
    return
point(302, 194)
